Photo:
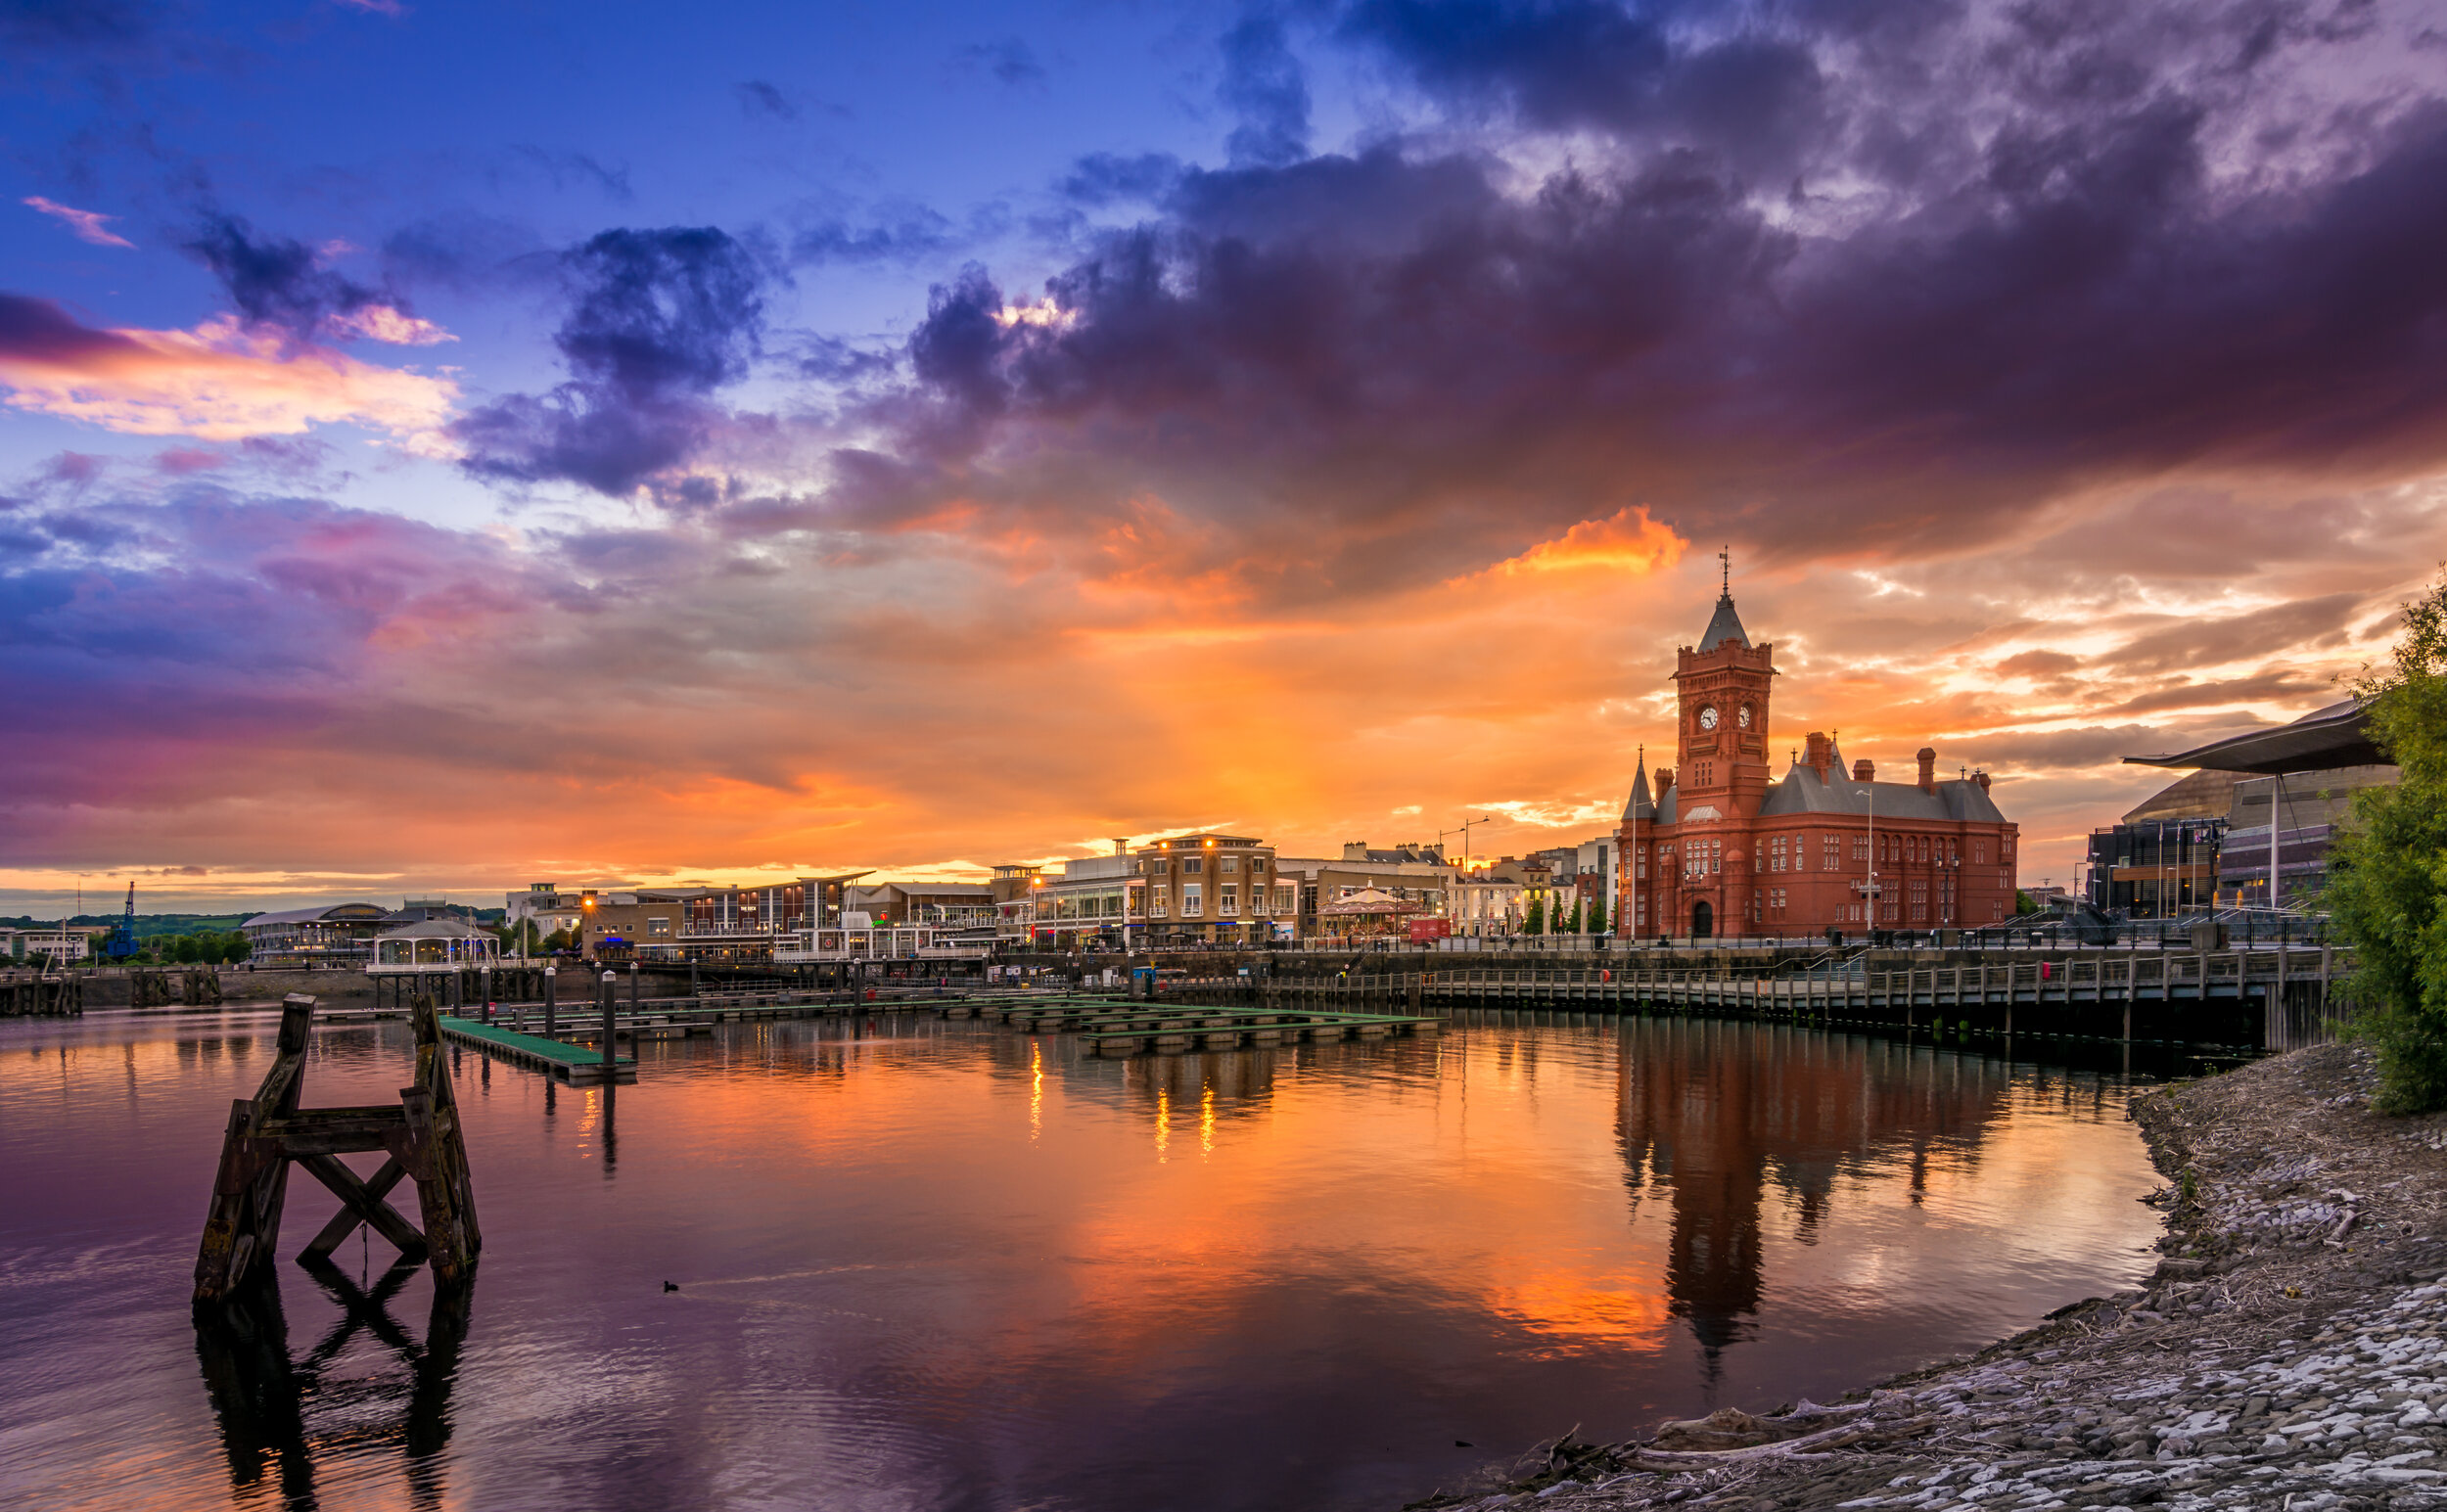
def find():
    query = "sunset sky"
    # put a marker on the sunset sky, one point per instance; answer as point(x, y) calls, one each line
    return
point(447, 446)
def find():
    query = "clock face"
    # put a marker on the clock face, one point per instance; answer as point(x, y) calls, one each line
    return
point(1744, 717)
point(1707, 718)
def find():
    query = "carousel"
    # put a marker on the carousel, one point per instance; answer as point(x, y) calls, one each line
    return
point(1370, 913)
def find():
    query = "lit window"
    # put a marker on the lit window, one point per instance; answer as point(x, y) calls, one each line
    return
point(1193, 900)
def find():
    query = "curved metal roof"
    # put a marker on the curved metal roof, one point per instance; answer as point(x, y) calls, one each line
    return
point(2338, 735)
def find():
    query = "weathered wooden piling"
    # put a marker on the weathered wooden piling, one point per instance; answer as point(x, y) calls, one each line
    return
point(421, 1140)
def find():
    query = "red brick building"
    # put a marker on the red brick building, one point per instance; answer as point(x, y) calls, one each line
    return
point(1720, 848)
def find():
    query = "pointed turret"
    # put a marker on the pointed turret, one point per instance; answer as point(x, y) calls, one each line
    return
point(1724, 626)
point(1639, 805)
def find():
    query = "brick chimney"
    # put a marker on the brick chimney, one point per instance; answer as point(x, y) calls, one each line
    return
point(1817, 753)
point(1863, 770)
point(1665, 780)
point(1927, 756)
point(1982, 779)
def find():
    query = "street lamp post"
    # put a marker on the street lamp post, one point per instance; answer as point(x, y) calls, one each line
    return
point(1871, 794)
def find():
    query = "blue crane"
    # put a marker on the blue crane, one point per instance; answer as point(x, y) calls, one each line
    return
point(122, 943)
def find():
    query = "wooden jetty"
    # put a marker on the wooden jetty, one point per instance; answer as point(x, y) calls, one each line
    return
point(40, 995)
point(269, 1132)
point(1116, 1025)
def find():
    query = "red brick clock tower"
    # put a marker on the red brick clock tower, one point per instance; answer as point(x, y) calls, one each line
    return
point(1723, 687)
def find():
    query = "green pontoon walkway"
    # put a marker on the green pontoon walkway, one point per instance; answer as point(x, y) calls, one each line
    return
point(573, 1064)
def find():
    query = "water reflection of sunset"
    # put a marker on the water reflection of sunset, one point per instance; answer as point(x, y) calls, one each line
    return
point(962, 1263)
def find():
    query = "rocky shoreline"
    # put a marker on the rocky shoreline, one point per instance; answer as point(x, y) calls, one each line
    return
point(2287, 1354)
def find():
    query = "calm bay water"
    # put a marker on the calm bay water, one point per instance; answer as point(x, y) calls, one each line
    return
point(944, 1266)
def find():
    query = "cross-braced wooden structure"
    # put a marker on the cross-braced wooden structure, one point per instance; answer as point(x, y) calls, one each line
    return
point(269, 1131)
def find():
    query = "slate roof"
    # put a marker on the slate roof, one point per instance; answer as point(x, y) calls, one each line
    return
point(1724, 626)
point(1803, 792)
point(1639, 805)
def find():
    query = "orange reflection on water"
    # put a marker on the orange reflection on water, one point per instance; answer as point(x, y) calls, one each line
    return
point(898, 1234)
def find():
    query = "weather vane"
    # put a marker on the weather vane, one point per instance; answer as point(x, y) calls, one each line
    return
point(1724, 560)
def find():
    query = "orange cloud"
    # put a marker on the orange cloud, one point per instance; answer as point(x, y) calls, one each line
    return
point(1627, 540)
point(218, 381)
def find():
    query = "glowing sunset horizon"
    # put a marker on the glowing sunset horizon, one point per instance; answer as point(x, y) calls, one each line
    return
point(436, 456)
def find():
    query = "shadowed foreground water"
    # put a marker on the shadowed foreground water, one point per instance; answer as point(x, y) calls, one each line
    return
point(944, 1266)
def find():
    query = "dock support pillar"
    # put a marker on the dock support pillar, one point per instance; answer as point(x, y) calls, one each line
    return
point(551, 976)
point(611, 1040)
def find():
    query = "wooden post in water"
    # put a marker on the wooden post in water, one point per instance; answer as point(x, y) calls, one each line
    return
point(267, 1132)
point(611, 1040)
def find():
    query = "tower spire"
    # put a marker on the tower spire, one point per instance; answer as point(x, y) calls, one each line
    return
point(1724, 565)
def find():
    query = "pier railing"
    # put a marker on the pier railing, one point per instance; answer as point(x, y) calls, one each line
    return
point(2261, 997)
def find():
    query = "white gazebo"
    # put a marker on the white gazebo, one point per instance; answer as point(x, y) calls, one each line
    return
point(433, 944)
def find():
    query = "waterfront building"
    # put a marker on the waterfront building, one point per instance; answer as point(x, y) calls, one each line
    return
point(1211, 889)
point(1486, 906)
point(925, 902)
point(66, 943)
point(2249, 828)
point(336, 935)
point(1723, 848)
point(1090, 901)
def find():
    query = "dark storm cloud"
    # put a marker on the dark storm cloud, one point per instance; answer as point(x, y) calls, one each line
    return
point(1586, 64)
point(38, 330)
point(1412, 340)
point(659, 320)
point(1264, 88)
point(278, 282)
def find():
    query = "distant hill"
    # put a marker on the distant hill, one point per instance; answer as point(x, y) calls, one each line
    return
point(147, 925)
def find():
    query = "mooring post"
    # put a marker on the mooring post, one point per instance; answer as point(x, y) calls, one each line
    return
point(632, 989)
point(611, 1041)
point(550, 974)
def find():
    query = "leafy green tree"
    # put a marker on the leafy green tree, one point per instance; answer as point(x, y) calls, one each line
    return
point(236, 948)
point(2387, 890)
point(1536, 923)
point(2024, 903)
point(183, 950)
